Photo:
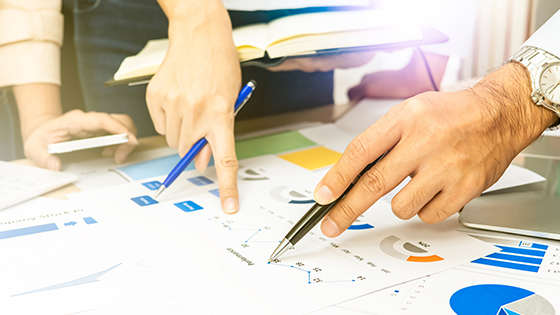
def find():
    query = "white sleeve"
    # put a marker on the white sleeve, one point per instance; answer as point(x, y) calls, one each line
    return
point(546, 37)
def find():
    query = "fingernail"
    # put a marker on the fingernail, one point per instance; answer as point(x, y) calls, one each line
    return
point(230, 205)
point(323, 195)
point(52, 164)
point(329, 228)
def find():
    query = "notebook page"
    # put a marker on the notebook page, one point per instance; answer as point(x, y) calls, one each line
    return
point(250, 41)
point(327, 22)
point(146, 62)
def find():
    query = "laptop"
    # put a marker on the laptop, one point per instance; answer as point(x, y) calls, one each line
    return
point(525, 211)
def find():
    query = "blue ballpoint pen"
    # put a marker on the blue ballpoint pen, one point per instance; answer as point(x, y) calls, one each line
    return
point(243, 97)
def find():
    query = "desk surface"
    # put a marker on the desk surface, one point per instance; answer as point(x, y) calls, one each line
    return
point(328, 114)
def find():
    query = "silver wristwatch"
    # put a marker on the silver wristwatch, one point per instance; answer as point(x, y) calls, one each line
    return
point(544, 68)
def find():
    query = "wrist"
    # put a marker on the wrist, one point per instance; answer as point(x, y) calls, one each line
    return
point(37, 104)
point(29, 126)
point(505, 94)
point(194, 15)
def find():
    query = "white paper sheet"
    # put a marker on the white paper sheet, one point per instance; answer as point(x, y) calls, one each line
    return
point(523, 277)
point(187, 236)
point(56, 257)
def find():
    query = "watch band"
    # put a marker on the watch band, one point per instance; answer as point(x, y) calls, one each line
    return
point(533, 59)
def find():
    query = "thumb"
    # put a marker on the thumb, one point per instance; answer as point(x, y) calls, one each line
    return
point(38, 154)
point(53, 163)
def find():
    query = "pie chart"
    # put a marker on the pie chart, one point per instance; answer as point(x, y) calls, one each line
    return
point(287, 195)
point(497, 299)
point(395, 247)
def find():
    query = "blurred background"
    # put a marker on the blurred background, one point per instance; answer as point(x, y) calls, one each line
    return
point(482, 35)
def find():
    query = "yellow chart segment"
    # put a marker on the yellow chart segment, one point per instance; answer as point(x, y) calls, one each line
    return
point(313, 159)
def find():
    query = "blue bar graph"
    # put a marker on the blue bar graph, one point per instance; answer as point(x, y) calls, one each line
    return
point(522, 259)
point(505, 264)
point(28, 230)
point(522, 251)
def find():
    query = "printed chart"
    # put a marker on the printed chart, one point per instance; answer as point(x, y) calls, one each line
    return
point(521, 278)
point(497, 299)
point(232, 252)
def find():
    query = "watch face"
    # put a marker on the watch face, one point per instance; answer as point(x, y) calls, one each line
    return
point(550, 82)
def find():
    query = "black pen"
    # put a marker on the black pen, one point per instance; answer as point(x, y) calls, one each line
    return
point(313, 216)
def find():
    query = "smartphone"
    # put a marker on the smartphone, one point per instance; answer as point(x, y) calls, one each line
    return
point(82, 144)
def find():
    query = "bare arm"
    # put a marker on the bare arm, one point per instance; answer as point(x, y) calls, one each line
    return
point(193, 93)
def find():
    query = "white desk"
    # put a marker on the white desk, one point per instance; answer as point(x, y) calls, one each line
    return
point(432, 292)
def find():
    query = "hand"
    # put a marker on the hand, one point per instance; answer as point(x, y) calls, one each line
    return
point(453, 145)
point(193, 93)
point(77, 124)
point(325, 63)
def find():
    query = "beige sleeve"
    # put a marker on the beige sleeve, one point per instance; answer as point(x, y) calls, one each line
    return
point(31, 34)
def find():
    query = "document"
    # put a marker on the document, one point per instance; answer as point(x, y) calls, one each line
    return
point(59, 258)
point(522, 278)
point(186, 235)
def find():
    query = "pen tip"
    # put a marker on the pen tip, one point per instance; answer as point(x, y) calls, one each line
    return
point(158, 192)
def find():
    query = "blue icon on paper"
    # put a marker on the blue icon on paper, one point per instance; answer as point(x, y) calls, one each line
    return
point(152, 185)
point(144, 201)
point(200, 181)
point(188, 206)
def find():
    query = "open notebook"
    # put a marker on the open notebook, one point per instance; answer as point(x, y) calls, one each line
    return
point(303, 35)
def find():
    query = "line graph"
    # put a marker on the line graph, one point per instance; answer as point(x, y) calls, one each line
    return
point(298, 266)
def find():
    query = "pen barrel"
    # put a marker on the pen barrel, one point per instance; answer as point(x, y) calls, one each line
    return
point(308, 222)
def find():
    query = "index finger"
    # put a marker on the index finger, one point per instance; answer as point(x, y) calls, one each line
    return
point(364, 149)
point(223, 146)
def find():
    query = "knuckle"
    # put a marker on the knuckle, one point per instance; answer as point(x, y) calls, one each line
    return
point(358, 149)
point(228, 163)
point(346, 212)
point(340, 178)
point(374, 183)
point(222, 108)
point(173, 97)
point(404, 206)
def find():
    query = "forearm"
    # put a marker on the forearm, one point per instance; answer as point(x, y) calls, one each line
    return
point(194, 14)
point(37, 103)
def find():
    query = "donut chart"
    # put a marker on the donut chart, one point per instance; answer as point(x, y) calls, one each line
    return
point(394, 247)
point(287, 195)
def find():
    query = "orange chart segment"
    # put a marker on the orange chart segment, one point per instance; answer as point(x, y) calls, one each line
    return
point(313, 159)
point(431, 258)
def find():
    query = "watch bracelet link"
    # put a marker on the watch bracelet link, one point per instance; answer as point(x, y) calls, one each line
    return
point(533, 58)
